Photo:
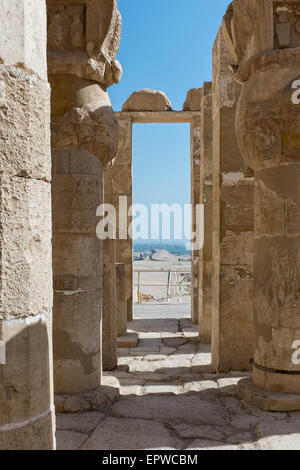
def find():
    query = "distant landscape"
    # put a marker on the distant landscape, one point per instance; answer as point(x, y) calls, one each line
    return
point(160, 257)
point(175, 247)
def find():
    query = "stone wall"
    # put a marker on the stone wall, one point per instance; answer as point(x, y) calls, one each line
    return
point(205, 190)
point(118, 183)
point(232, 303)
point(193, 101)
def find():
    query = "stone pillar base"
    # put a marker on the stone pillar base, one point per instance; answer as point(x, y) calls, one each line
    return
point(130, 340)
point(265, 400)
point(31, 435)
point(99, 399)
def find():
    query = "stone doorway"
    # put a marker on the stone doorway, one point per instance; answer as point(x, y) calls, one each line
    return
point(162, 225)
point(168, 336)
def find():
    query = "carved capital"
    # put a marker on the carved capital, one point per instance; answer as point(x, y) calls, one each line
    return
point(84, 38)
point(263, 38)
point(261, 34)
point(92, 128)
point(268, 120)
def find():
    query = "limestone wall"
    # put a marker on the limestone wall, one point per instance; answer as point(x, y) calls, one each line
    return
point(118, 182)
point(232, 303)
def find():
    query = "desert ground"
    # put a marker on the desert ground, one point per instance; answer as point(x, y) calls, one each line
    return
point(154, 285)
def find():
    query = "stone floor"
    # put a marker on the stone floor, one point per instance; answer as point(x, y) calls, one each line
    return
point(169, 400)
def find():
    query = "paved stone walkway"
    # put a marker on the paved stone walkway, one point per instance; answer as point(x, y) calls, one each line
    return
point(169, 400)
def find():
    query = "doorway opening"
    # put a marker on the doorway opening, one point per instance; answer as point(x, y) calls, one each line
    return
point(162, 221)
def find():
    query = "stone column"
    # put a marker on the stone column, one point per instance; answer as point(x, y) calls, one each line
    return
point(193, 103)
point(268, 128)
point(205, 188)
point(26, 382)
point(232, 327)
point(121, 307)
point(83, 41)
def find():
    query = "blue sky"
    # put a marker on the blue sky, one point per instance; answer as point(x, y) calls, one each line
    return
point(166, 45)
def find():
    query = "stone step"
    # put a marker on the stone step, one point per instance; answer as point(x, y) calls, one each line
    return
point(130, 340)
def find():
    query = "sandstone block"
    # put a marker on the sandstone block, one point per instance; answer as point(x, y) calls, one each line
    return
point(25, 35)
point(26, 268)
point(193, 100)
point(25, 133)
point(147, 100)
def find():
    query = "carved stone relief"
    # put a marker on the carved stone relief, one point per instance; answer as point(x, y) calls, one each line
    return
point(287, 24)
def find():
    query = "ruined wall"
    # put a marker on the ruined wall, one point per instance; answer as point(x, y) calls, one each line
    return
point(26, 383)
point(232, 336)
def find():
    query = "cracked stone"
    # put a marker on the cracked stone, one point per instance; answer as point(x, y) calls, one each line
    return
point(130, 434)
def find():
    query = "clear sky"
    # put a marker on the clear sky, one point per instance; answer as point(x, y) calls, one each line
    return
point(166, 45)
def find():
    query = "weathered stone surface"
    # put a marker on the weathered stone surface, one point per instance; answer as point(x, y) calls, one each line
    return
point(156, 388)
point(25, 247)
point(188, 431)
point(268, 129)
point(195, 200)
point(147, 100)
point(76, 193)
point(202, 444)
point(24, 36)
point(205, 190)
point(26, 391)
point(232, 339)
point(282, 435)
point(25, 107)
point(37, 435)
point(130, 434)
point(166, 407)
point(92, 127)
point(83, 40)
point(207, 387)
point(176, 410)
point(268, 401)
point(130, 340)
point(70, 440)
point(99, 399)
point(118, 183)
point(109, 316)
point(193, 100)
point(78, 422)
point(121, 300)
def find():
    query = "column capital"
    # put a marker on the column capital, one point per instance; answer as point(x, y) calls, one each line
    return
point(84, 38)
point(261, 34)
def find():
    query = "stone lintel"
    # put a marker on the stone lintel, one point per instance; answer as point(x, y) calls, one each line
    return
point(157, 117)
